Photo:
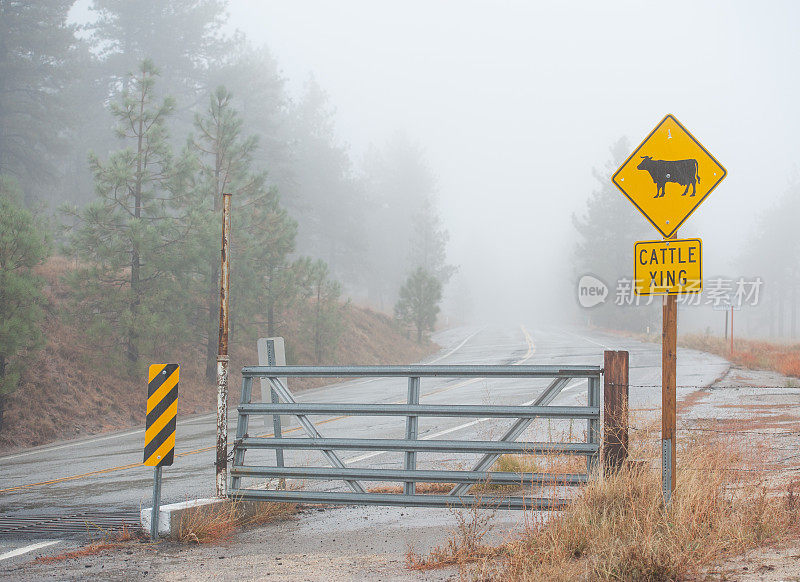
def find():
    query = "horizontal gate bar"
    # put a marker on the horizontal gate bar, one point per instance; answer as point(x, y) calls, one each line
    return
point(495, 478)
point(289, 496)
point(423, 371)
point(463, 410)
point(420, 445)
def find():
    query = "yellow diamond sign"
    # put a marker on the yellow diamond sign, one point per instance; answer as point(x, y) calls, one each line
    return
point(668, 176)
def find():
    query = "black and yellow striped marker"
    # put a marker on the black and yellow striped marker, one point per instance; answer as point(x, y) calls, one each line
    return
point(162, 410)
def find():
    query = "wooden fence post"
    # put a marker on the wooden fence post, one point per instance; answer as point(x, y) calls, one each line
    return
point(615, 409)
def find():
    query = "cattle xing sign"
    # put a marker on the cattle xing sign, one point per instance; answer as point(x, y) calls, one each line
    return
point(668, 176)
point(668, 267)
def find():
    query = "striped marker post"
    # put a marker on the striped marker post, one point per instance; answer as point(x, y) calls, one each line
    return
point(159, 435)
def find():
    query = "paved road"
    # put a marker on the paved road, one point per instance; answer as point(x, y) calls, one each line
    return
point(106, 485)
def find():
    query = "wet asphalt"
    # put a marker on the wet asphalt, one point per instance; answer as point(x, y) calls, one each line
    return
point(102, 474)
point(107, 483)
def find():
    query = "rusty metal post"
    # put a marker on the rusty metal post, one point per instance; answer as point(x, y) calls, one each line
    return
point(615, 409)
point(222, 357)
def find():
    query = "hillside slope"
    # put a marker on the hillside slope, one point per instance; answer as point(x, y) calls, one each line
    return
point(69, 391)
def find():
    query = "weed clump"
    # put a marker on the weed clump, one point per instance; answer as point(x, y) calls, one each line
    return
point(217, 522)
point(618, 527)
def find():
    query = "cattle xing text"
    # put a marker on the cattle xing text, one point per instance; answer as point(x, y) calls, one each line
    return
point(668, 267)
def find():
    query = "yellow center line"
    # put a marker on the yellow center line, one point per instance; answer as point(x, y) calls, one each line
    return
point(135, 465)
point(528, 355)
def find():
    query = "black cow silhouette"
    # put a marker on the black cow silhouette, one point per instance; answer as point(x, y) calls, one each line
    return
point(683, 172)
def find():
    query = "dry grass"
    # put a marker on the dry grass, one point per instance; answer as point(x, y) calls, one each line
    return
point(219, 521)
point(619, 529)
point(464, 546)
point(517, 464)
point(510, 463)
point(423, 488)
point(758, 355)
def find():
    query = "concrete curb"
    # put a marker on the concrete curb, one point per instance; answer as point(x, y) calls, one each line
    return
point(169, 516)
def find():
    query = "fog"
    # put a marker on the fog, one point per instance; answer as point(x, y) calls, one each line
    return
point(516, 102)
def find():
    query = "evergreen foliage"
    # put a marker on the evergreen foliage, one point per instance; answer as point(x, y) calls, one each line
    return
point(38, 58)
point(419, 301)
point(322, 312)
point(223, 157)
point(23, 245)
point(323, 193)
point(130, 237)
point(403, 228)
point(147, 243)
point(429, 244)
point(183, 35)
point(607, 231)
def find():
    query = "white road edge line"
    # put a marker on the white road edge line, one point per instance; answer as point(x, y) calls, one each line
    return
point(26, 549)
point(70, 445)
point(591, 341)
point(458, 347)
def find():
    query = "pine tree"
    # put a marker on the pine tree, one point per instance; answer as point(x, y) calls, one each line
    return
point(403, 228)
point(184, 35)
point(323, 194)
point(774, 235)
point(38, 58)
point(323, 316)
point(23, 245)
point(130, 236)
point(272, 234)
point(608, 229)
point(253, 76)
point(224, 158)
point(263, 233)
point(429, 244)
point(419, 301)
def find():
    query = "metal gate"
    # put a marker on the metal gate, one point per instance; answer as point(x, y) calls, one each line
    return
point(283, 403)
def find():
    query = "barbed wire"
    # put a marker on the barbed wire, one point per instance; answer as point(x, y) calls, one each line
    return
point(722, 431)
point(743, 470)
point(708, 386)
point(655, 464)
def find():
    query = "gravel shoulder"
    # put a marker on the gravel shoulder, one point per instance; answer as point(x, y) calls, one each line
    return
point(343, 543)
point(762, 407)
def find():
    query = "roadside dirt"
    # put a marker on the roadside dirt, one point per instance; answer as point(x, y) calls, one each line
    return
point(780, 564)
point(344, 543)
point(762, 408)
